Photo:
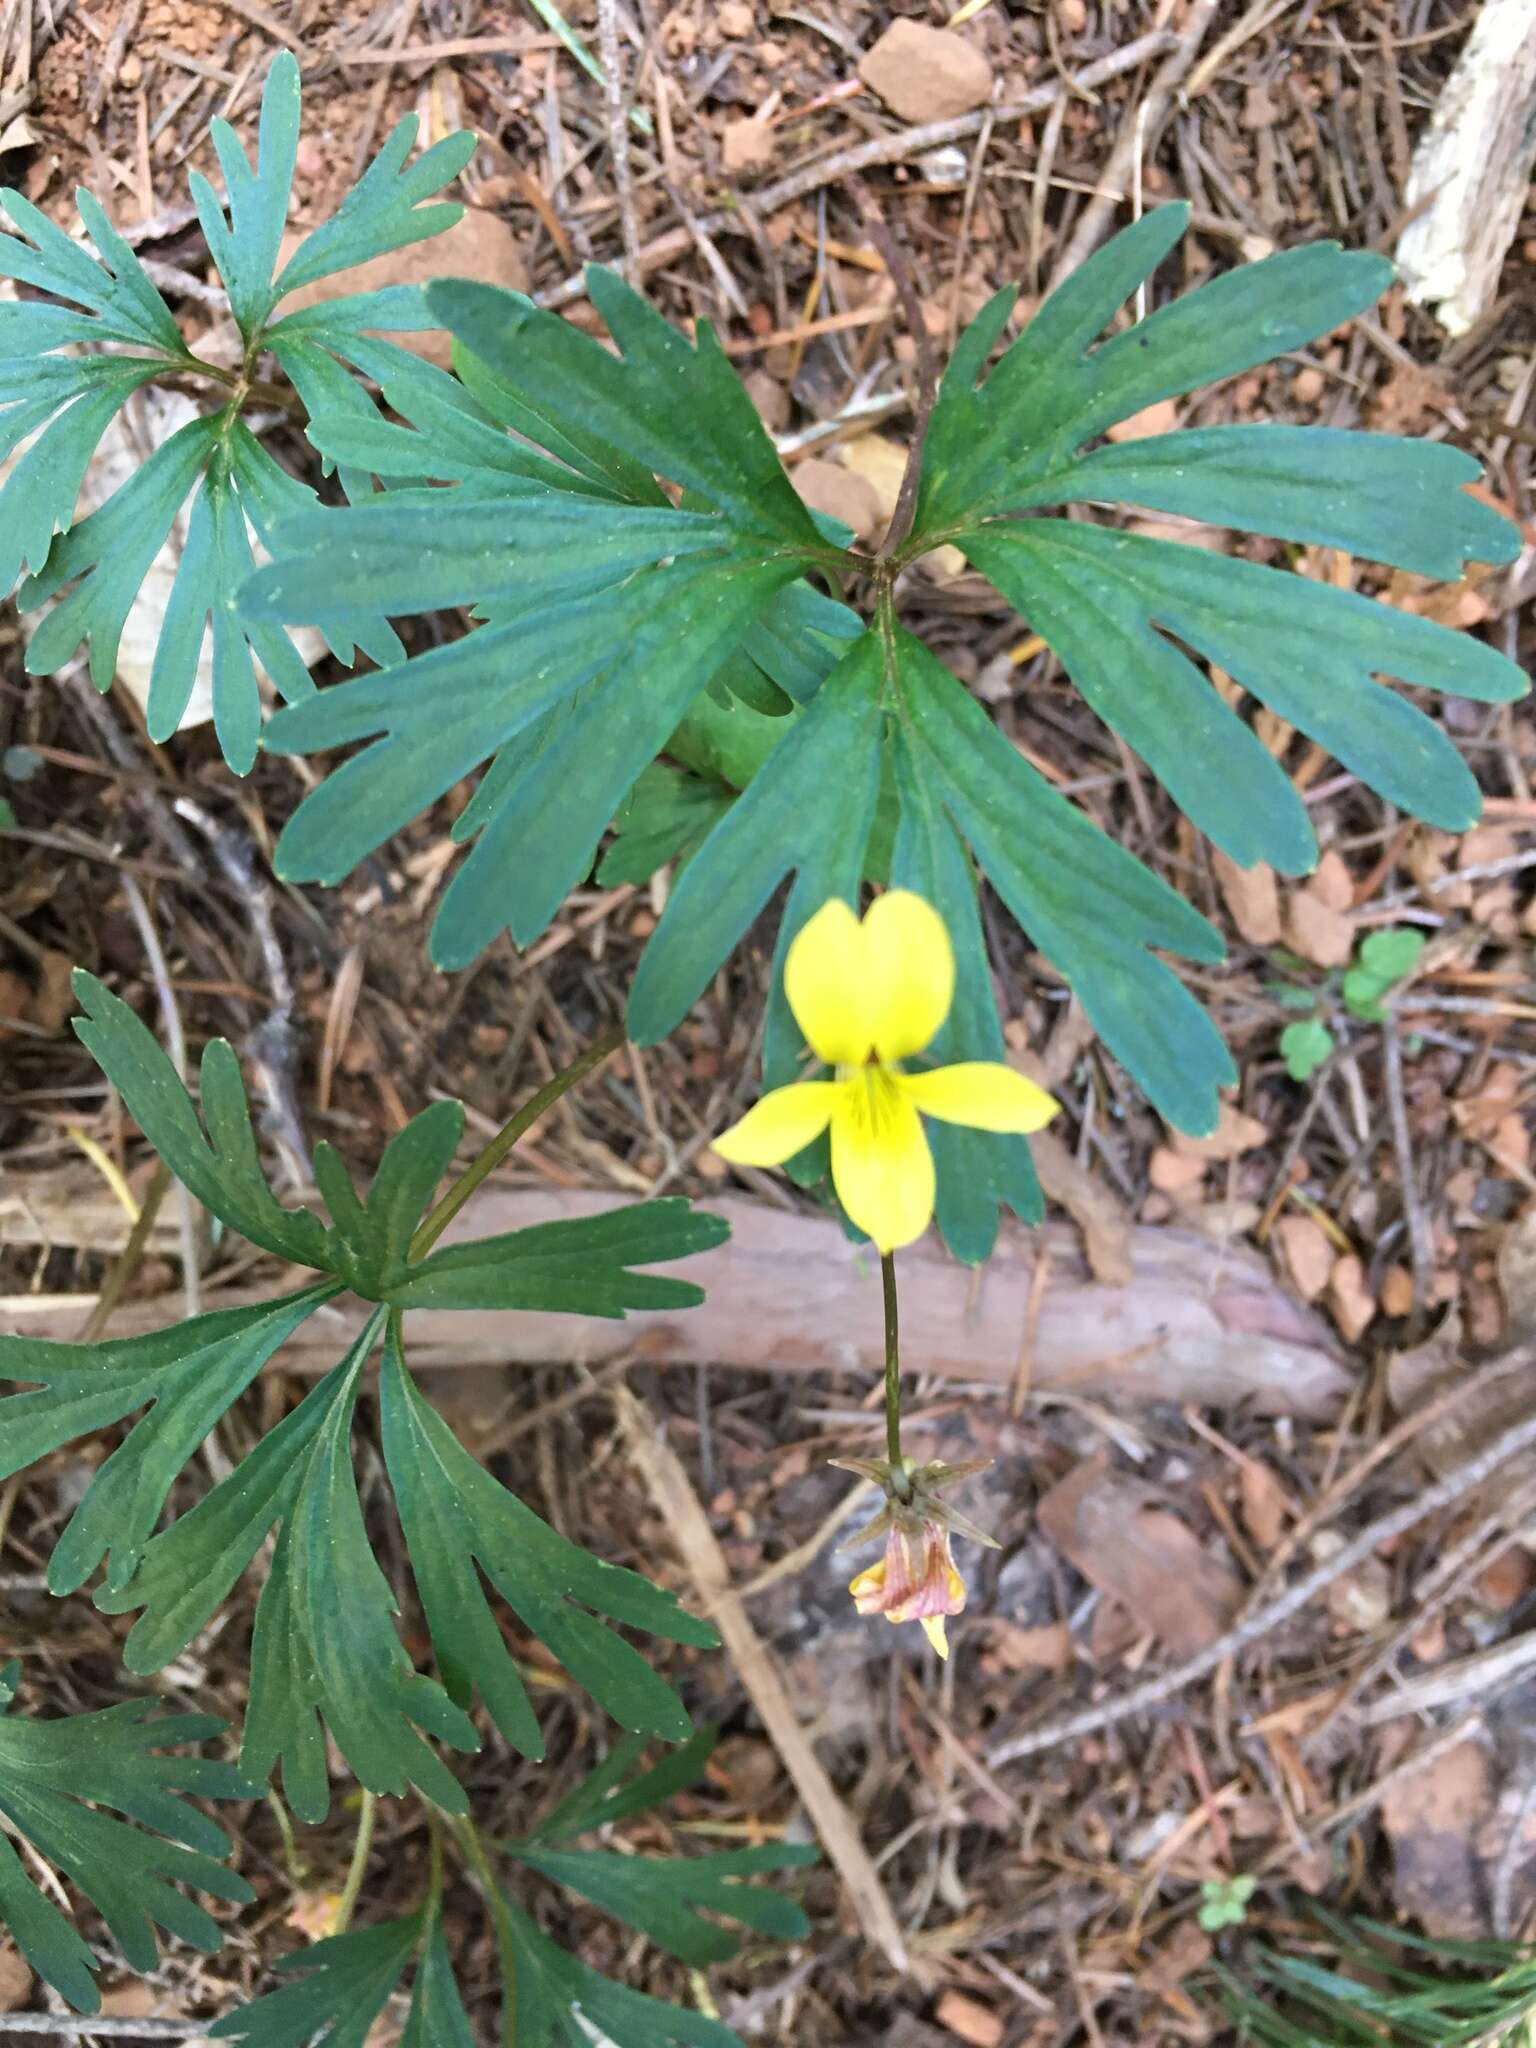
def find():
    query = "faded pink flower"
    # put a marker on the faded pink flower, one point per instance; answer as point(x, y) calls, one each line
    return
point(916, 1580)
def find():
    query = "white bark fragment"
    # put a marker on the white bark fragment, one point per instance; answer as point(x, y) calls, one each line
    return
point(1472, 169)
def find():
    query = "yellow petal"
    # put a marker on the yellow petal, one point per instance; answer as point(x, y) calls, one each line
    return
point(828, 987)
point(782, 1124)
point(933, 1629)
point(910, 966)
point(881, 1165)
point(982, 1093)
point(868, 1588)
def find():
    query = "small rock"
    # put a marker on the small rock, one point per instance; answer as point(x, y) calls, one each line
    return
point(1332, 883)
point(1235, 1134)
point(1506, 1580)
point(829, 488)
point(1397, 1291)
point(770, 398)
point(735, 19)
point(1048, 1647)
point(136, 2001)
point(926, 74)
point(1308, 385)
point(1432, 1817)
point(746, 145)
point(1174, 1172)
point(1362, 1599)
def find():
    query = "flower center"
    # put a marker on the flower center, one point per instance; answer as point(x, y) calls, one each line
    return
point(873, 1098)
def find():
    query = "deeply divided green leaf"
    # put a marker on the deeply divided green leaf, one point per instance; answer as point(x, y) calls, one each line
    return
point(56, 1776)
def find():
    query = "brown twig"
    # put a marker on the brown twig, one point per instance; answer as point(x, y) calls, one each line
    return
point(618, 132)
point(899, 270)
point(1385, 1529)
point(1385, 1447)
point(1135, 136)
point(688, 1524)
point(871, 155)
point(1420, 1237)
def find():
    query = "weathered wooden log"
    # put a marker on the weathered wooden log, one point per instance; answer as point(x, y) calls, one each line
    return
point(1198, 1321)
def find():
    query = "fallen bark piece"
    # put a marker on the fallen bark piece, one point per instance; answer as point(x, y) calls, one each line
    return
point(1114, 1530)
point(1472, 169)
point(1197, 1321)
point(1431, 1818)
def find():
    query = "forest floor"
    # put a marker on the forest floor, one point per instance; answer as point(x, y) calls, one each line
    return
point(1367, 1749)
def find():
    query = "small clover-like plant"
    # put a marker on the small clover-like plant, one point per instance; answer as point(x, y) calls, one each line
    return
point(1383, 960)
point(1224, 1902)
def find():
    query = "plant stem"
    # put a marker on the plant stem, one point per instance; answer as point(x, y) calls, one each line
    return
point(486, 1162)
point(473, 1849)
point(892, 1361)
point(352, 1890)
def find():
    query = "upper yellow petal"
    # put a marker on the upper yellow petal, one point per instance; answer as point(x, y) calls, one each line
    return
point(910, 966)
point(881, 1165)
point(982, 1093)
point(828, 987)
point(782, 1124)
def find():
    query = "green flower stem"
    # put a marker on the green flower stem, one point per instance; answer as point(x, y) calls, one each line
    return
point(487, 1161)
point(352, 1890)
point(892, 1362)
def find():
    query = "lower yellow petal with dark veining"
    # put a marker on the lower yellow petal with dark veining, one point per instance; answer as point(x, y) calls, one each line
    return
point(881, 1165)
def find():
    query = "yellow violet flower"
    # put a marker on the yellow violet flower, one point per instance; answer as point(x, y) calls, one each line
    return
point(870, 994)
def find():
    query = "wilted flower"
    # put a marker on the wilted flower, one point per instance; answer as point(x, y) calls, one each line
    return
point(916, 1580)
point(870, 994)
